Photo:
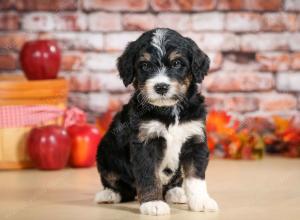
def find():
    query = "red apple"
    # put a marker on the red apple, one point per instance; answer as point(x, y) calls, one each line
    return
point(40, 59)
point(85, 139)
point(49, 147)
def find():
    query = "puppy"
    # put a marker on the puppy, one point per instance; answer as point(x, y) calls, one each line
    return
point(156, 147)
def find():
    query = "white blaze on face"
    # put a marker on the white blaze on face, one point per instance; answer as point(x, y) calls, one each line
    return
point(160, 77)
point(157, 99)
point(158, 39)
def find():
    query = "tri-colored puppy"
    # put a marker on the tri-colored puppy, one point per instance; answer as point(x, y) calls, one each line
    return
point(156, 146)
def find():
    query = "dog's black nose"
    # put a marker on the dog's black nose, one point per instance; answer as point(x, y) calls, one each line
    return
point(161, 88)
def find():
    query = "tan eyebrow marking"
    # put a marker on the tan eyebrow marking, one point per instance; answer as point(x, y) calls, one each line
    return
point(145, 57)
point(173, 55)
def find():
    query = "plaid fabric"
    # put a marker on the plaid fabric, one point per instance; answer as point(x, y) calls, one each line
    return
point(22, 116)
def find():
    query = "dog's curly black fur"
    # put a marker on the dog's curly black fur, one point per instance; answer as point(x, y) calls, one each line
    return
point(129, 161)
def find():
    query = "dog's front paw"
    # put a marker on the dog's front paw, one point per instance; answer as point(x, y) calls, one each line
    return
point(155, 208)
point(202, 203)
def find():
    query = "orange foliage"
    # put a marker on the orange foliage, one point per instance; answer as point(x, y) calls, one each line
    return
point(230, 138)
point(285, 137)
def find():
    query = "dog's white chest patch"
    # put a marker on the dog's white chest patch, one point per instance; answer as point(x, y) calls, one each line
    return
point(175, 135)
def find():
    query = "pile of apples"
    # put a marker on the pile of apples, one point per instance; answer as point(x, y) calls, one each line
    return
point(54, 147)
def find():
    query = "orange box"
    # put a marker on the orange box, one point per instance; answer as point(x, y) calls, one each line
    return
point(16, 90)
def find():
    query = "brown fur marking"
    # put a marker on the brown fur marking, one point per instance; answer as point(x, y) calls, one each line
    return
point(189, 169)
point(112, 178)
point(145, 57)
point(182, 87)
point(173, 55)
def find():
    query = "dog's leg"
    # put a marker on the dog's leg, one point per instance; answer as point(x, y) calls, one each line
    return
point(149, 188)
point(194, 159)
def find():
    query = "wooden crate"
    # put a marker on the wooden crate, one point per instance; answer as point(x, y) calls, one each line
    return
point(17, 91)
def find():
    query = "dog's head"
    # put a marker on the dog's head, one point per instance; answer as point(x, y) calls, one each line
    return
point(162, 65)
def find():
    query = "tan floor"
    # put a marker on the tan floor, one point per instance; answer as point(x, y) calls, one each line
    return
point(267, 189)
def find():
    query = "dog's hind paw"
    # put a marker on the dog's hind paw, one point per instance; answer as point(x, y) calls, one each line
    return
point(155, 208)
point(107, 196)
point(176, 195)
point(201, 204)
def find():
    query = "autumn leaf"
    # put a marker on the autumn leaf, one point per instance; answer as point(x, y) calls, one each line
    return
point(281, 124)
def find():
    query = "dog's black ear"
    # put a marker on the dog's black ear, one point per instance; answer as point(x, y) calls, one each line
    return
point(199, 61)
point(125, 63)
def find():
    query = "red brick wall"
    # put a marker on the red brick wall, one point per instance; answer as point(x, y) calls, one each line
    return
point(254, 46)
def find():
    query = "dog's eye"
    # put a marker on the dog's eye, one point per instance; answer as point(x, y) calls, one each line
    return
point(176, 64)
point(146, 66)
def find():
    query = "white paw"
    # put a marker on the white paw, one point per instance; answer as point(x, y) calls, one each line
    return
point(155, 208)
point(107, 196)
point(176, 195)
point(202, 203)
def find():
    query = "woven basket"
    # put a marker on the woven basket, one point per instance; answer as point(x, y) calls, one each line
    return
point(17, 91)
